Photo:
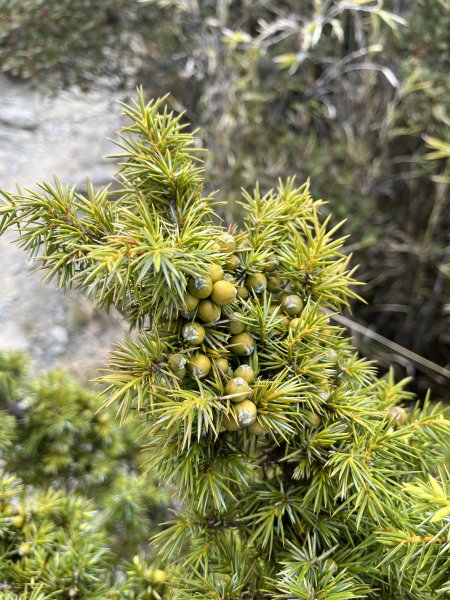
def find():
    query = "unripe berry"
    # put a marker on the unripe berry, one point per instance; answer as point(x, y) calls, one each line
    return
point(399, 414)
point(223, 292)
point(199, 365)
point(284, 323)
point(256, 282)
point(190, 302)
point(194, 333)
point(242, 344)
point(215, 272)
point(227, 242)
point(24, 548)
point(292, 304)
point(271, 264)
point(158, 576)
point(238, 389)
point(230, 423)
point(314, 419)
point(208, 311)
point(246, 372)
point(232, 262)
point(179, 373)
point(274, 282)
point(242, 292)
point(18, 521)
point(246, 413)
point(235, 326)
point(102, 418)
point(223, 365)
point(257, 429)
point(200, 287)
point(176, 361)
point(293, 323)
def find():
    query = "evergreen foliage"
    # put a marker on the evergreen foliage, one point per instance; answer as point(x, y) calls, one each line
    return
point(300, 473)
point(75, 498)
point(349, 93)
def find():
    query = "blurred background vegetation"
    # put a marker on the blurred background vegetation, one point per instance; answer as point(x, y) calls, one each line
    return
point(77, 500)
point(351, 93)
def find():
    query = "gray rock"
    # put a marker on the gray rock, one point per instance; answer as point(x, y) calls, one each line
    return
point(18, 116)
point(66, 134)
point(58, 335)
point(12, 337)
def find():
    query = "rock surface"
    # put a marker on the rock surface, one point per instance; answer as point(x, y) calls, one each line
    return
point(65, 134)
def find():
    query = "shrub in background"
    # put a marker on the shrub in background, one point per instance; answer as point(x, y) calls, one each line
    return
point(75, 501)
point(62, 43)
point(300, 474)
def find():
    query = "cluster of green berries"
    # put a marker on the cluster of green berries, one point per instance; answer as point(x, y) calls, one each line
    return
point(15, 517)
point(211, 302)
point(152, 580)
point(215, 307)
